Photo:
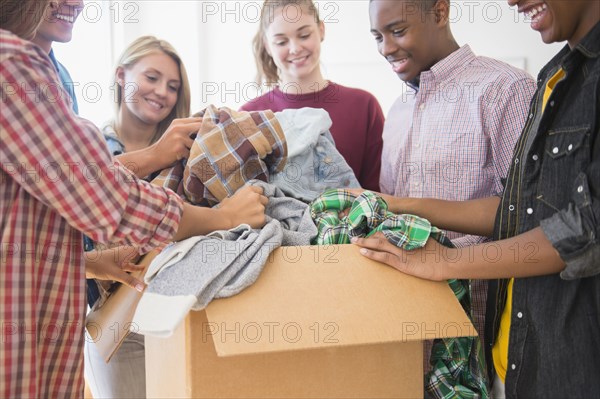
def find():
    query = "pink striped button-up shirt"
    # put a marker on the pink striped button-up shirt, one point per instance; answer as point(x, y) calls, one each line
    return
point(454, 138)
point(57, 181)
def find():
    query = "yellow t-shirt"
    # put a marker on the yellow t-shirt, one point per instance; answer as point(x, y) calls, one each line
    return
point(500, 348)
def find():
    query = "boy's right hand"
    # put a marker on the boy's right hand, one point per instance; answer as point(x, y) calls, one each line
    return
point(247, 205)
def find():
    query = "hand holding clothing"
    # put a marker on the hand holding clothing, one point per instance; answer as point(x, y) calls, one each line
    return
point(176, 142)
point(247, 206)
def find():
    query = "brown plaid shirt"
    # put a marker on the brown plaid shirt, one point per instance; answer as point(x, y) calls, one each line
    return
point(231, 148)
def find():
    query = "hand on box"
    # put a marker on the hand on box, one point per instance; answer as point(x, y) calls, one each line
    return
point(428, 263)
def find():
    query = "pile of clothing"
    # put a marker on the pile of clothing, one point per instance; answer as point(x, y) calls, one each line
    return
point(292, 156)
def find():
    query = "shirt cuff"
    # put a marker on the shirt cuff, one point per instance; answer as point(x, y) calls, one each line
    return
point(574, 243)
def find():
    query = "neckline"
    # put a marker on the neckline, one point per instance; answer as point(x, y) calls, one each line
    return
point(328, 87)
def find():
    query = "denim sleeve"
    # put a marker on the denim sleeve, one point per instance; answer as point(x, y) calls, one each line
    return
point(574, 231)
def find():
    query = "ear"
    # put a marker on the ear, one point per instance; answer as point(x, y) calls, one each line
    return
point(441, 11)
point(120, 76)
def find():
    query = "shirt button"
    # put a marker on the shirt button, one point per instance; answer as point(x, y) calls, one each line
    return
point(530, 116)
point(417, 184)
point(421, 107)
point(520, 315)
point(552, 103)
point(513, 366)
point(555, 150)
point(580, 189)
point(417, 145)
point(511, 208)
point(535, 157)
point(529, 211)
point(570, 147)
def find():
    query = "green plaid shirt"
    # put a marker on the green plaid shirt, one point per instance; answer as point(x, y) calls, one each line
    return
point(458, 368)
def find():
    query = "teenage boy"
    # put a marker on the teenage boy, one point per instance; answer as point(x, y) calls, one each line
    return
point(453, 134)
point(47, 202)
point(546, 318)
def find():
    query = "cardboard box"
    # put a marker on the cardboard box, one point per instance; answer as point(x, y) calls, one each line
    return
point(320, 322)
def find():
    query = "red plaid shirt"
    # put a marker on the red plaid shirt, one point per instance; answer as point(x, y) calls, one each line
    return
point(57, 181)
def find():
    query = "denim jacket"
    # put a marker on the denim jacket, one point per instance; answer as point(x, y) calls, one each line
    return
point(314, 164)
point(554, 182)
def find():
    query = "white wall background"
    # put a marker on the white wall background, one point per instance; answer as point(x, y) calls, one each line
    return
point(214, 40)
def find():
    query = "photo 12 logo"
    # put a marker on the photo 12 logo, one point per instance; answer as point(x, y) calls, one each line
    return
point(251, 11)
point(270, 332)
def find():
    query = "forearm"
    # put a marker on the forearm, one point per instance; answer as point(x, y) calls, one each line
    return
point(526, 255)
point(246, 206)
point(140, 162)
point(474, 217)
point(196, 221)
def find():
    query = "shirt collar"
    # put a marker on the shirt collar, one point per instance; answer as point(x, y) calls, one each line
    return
point(590, 44)
point(53, 59)
point(414, 84)
point(588, 47)
point(109, 131)
point(449, 66)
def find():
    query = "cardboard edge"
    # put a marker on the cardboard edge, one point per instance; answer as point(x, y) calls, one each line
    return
point(108, 326)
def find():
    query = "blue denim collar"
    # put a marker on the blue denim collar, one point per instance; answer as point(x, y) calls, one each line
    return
point(590, 44)
point(588, 47)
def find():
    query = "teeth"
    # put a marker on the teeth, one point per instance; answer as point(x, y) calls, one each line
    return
point(68, 18)
point(531, 14)
point(154, 104)
point(299, 59)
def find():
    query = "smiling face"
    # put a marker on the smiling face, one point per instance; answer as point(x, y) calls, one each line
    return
point(559, 20)
point(57, 23)
point(293, 39)
point(408, 36)
point(150, 88)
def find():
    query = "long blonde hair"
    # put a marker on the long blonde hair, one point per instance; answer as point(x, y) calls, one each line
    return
point(22, 17)
point(266, 70)
point(137, 50)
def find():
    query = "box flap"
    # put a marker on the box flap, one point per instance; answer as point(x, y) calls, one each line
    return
point(326, 296)
point(108, 325)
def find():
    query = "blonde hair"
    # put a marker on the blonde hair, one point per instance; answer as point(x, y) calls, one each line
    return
point(266, 70)
point(22, 17)
point(139, 49)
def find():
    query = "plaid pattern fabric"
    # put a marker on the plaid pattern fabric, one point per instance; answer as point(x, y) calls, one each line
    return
point(230, 149)
point(368, 215)
point(458, 363)
point(56, 179)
